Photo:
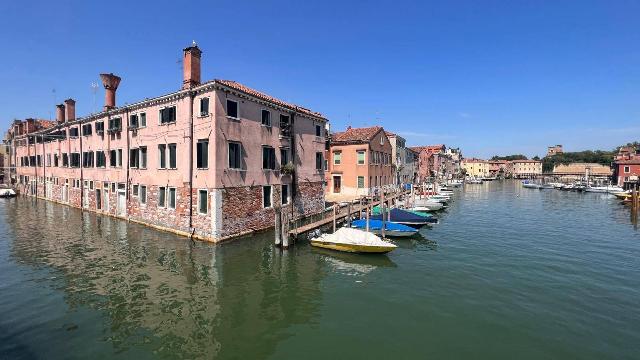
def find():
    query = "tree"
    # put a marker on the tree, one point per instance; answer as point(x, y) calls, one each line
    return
point(510, 157)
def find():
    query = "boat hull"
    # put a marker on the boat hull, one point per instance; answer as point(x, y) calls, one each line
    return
point(354, 248)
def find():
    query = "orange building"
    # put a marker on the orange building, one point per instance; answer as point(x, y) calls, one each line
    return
point(359, 160)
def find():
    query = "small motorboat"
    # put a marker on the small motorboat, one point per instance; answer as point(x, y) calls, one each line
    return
point(353, 240)
point(531, 185)
point(6, 192)
point(474, 181)
point(622, 195)
point(390, 228)
point(428, 206)
point(404, 217)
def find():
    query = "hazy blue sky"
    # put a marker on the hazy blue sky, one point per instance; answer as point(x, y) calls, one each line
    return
point(493, 77)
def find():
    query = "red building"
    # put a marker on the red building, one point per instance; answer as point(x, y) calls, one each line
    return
point(626, 167)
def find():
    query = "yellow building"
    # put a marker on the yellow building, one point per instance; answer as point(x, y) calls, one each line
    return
point(526, 168)
point(476, 167)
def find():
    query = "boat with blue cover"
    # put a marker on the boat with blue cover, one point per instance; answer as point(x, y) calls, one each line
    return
point(390, 228)
point(404, 217)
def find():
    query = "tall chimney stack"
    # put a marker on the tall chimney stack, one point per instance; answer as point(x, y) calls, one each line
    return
point(70, 107)
point(110, 83)
point(60, 113)
point(191, 66)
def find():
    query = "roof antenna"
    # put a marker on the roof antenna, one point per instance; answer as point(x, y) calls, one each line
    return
point(94, 89)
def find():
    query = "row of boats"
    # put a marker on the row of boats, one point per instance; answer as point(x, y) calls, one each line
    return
point(610, 189)
point(369, 233)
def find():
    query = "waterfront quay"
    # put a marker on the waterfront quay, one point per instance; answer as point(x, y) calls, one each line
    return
point(508, 271)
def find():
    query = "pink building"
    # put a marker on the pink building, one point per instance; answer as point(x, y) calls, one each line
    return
point(431, 162)
point(212, 159)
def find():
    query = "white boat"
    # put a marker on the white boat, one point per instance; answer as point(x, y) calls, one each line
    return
point(455, 183)
point(531, 185)
point(474, 181)
point(6, 191)
point(353, 240)
point(426, 206)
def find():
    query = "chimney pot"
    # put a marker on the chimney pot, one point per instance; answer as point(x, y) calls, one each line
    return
point(191, 66)
point(70, 107)
point(110, 83)
point(60, 113)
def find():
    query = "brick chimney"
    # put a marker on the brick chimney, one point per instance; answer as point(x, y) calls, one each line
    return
point(191, 66)
point(60, 113)
point(110, 83)
point(70, 106)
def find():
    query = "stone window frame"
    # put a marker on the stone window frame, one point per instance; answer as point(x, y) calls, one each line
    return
point(135, 190)
point(364, 156)
point(226, 108)
point(270, 196)
point(358, 182)
point(282, 192)
point(200, 112)
point(175, 198)
point(339, 160)
point(262, 122)
point(206, 191)
point(627, 169)
point(143, 199)
point(164, 190)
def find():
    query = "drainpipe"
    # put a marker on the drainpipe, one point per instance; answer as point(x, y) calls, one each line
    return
point(126, 188)
point(294, 176)
point(81, 167)
point(191, 99)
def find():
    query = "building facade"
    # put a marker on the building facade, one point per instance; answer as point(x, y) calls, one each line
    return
point(523, 169)
point(579, 171)
point(500, 168)
point(626, 167)
point(402, 159)
point(553, 150)
point(211, 160)
point(477, 168)
point(360, 161)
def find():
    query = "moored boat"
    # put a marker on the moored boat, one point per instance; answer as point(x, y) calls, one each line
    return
point(6, 192)
point(353, 240)
point(404, 217)
point(390, 228)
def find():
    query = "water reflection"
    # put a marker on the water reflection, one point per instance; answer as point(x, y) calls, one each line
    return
point(165, 294)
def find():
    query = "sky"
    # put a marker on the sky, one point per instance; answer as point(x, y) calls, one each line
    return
point(490, 77)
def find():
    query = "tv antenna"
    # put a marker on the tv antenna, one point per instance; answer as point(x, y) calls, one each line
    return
point(94, 89)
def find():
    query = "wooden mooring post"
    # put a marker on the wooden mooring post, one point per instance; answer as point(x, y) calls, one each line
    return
point(278, 226)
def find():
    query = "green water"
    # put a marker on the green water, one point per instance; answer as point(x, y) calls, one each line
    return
point(508, 273)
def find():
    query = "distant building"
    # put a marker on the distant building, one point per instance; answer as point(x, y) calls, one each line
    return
point(556, 149)
point(359, 161)
point(500, 168)
point(402, 162)
point(523, 169)
point(577, 171)
point(434, 162)
point(626, 167)
point(476, 167)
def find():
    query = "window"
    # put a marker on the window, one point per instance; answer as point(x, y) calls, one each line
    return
point(318, 161)
point(268, 158)
point(266, 196)
point(162, 196)
point(162, 156)
point(203, 206)
point(39, 160)
point(119, 157)
point(168, 115)
point(87, 159)
point(73, 132)
point(135, 190)
point(55, 160)
point(235, 150)
point(98, 199)
point(115, 124)
point(143, 194)
point(65, 159)
point(381, 140)
point(361, 159)
point(337, 158)
point(360, 182)
point(75, 160)
point(326, 162)
point(99, 127)
point(86, 129)
point(232, 109)
point(266, 118)
point(143, 157)
point(204, 106)
point(172, 198)
point(285, 194)
point(172, 156)
point(627, 169)
point(134, 159)
point(142, 120)
point(284, 156)
point(101, 159)
point(318, 130)
point(285, 126)
point(202, 154)
point(133, 121)
point(113, 158)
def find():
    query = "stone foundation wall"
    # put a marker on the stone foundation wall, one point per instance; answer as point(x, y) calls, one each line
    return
point(151, 213)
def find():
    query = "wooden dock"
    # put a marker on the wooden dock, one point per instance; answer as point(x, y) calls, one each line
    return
point(341, 212)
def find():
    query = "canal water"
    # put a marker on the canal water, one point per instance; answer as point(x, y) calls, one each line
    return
point(508, 273)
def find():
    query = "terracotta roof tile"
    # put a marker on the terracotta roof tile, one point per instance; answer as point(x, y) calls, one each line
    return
point(260, 95)
point(356, 135)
